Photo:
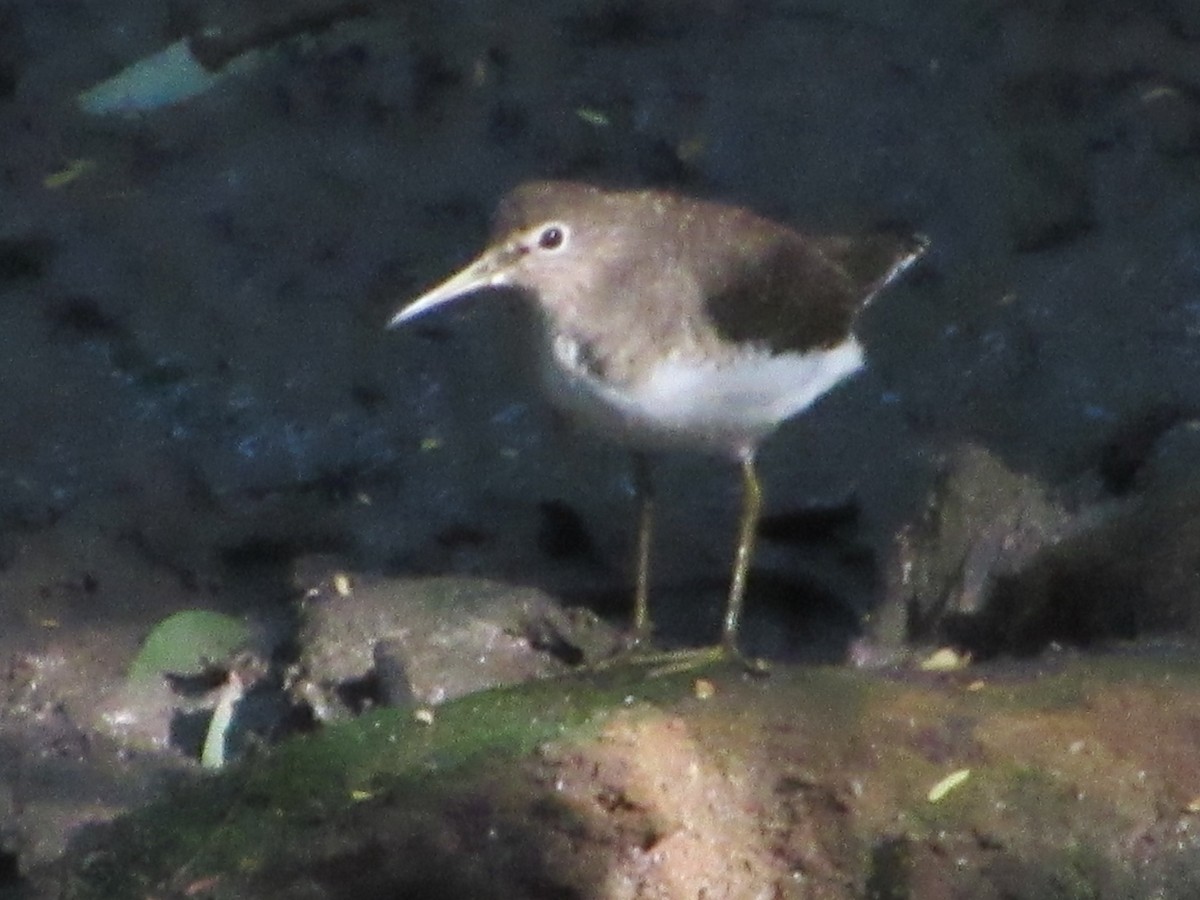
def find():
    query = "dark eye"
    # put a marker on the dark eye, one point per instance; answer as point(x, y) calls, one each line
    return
point(551, 238)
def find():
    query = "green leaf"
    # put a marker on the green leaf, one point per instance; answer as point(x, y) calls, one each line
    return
point(181, 644)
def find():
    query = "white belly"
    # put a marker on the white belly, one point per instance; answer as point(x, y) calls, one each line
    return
point(724, 407)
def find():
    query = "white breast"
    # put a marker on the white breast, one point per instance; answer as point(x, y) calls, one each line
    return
point(724, 407)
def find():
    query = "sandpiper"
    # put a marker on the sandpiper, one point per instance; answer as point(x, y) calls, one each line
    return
point(671, 322)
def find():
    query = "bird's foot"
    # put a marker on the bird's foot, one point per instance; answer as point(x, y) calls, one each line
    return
point(698, 657)
point(638, 652)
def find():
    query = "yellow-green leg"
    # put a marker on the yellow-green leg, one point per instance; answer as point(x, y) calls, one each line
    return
point(747, 529)
point(644, 490)
point(682, 660)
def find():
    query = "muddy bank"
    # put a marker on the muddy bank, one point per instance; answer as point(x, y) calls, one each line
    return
point(1000, 781)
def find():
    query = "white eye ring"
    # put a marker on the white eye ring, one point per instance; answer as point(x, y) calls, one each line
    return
point(553, 237)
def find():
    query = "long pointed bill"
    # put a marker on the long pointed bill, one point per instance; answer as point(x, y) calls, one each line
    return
point(492, 269)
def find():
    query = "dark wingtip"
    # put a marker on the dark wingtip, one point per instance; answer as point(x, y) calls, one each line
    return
point(919, 243)
point(872, 261)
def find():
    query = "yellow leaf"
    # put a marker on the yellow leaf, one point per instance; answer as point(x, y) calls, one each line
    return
point(947, 784)
point(595, 117)
point(64, 176)
point(945, 660)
